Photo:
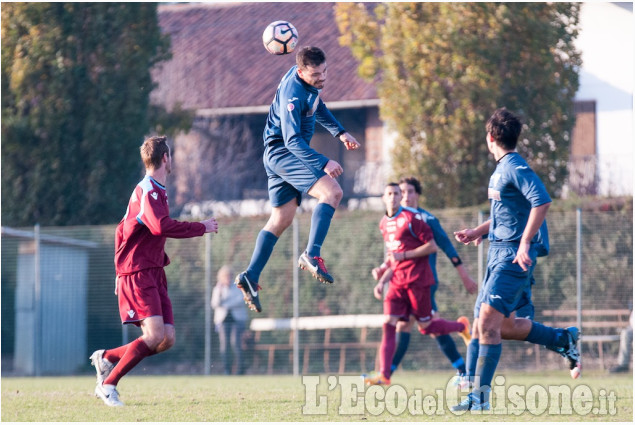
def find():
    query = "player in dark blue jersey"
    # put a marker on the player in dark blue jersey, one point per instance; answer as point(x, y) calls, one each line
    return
point(518, 207)
point(411, 190)
point(524, 310)
point(293, 167)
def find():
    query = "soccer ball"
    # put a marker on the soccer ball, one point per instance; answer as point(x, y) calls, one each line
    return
point(280, 38)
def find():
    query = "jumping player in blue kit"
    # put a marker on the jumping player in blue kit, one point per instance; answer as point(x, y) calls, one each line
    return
point(519, 204)
point(293, 168)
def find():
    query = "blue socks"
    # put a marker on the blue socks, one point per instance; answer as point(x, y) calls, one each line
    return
point(446, 344)
point(448, 347)
point(320, 223)
point(488, 357)
point(472, 358)
point(403, 340)
point(262, 251)
point(545, 335)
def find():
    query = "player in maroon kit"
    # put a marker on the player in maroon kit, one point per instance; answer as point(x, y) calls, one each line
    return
point(409, 242)
point(141, 285)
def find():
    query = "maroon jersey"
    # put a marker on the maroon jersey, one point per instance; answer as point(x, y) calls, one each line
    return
point(406, 231)
point(141, 234)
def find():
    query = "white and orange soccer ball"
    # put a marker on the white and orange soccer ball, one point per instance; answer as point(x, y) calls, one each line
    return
point(280, 38)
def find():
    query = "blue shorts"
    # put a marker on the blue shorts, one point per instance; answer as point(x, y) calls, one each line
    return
point(287, 176)
point(433, 290)
point(525, 308)
point(505, 283)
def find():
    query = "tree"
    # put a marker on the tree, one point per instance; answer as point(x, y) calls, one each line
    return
point(443, 68)
point(75, 108)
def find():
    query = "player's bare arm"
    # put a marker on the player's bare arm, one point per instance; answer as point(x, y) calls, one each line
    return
point(427, 248)
point(466, 236)
point(536, 217)
point(349, 141)
point(469, 284)
point(211, 225)
point(378, 290)
point(378, 272)
point(333, 169)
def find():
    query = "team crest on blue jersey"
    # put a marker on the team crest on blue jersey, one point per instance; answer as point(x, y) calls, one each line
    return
point(493, 194)
point(290, 107)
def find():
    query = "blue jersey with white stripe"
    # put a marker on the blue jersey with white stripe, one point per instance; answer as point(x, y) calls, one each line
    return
point(514, 189)
point(292, 116)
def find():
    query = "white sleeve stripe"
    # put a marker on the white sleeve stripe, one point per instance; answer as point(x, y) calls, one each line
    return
point(146, 187)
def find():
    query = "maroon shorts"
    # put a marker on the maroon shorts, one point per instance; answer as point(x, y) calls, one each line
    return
point(144, 294)
point(409, 301)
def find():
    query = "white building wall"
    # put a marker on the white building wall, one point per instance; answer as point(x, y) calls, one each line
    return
point(606, 42)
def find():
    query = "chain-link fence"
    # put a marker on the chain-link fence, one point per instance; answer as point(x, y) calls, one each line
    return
point(58, 304)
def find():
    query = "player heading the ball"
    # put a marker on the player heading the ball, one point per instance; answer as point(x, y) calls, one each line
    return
point(294, 168)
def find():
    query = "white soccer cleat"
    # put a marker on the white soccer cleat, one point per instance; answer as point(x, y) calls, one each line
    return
point(102, 366)
point(109, 394)
point(571, 352)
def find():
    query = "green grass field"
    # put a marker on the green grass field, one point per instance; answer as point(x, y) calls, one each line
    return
point(282, 398)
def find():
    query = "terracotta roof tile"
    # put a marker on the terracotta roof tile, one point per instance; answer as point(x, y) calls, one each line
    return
point(218, 59)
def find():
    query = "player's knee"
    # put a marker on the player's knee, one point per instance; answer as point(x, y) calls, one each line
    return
point(475, 333)
point(336, 195)
point(283, 224)
point(404, 327)
point(489, 333)
point(332, 196)
point(154, 339)
point(152, 342)
point(390, 320)
point(278, 224)
point(168, 341)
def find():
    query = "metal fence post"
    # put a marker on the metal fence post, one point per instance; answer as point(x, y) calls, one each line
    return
point(208, 308)
point(37, 334)
point(578, 271)
point(296, 298)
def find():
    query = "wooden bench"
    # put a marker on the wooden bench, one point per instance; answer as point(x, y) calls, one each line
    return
point(324, 323)
point(598, 326)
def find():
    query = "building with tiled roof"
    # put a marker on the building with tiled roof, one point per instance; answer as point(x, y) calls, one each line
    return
point(219, 62)
point(219, 67)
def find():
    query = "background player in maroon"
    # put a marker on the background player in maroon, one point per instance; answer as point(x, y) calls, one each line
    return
point(409, 242)
point(140, 257)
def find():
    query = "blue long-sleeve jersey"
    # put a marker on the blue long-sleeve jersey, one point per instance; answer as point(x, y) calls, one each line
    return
point(292, 116)
point(440, 238)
